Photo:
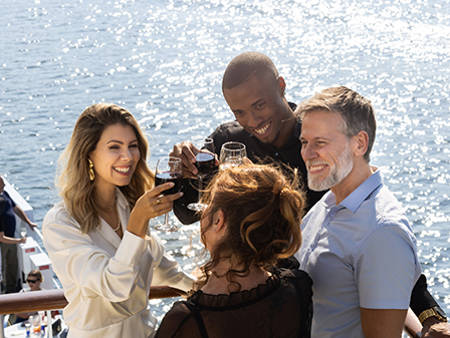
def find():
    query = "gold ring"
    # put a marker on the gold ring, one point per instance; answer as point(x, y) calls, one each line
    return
point(158, 201)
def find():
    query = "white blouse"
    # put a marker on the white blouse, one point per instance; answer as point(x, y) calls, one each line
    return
point(107, 280)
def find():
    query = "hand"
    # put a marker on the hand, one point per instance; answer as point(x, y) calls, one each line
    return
point(32, 225)
point(186, 151)
point(23, 239)
point(151, 204)
point(435, 329)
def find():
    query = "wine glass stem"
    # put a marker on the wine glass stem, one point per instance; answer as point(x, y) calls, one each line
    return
point(166, 219)
point(200, 187)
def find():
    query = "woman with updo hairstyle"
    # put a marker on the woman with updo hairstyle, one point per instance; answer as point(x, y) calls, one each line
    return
point(98, 237)
point(251, 221)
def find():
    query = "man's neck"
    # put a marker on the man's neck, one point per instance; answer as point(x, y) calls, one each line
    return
point(286, 129)
point(361, 171)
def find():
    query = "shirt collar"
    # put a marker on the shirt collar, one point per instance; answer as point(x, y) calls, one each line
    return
point(360, 194)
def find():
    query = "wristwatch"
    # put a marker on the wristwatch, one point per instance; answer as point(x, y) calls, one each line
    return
point(435, 311)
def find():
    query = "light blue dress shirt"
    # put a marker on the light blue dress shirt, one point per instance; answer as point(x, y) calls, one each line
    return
point(359, 253)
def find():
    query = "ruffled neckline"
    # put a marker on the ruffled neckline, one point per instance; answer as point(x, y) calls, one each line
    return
point(240, 298)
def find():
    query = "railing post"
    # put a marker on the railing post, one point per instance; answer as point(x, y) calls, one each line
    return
point(49, 324)
point(2, 334)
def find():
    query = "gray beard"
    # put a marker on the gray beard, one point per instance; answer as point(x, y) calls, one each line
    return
point(337, 174)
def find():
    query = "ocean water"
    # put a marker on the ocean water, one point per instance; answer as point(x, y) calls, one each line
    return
point(163, 60)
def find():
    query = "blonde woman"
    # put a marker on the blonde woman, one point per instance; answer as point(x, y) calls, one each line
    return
point(98, 236)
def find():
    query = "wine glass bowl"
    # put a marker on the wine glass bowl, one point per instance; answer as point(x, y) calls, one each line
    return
point(205, 160)
point(206, 166)
point(164, 177)
point(205, 163)
point(169, 169)
point(232, 154)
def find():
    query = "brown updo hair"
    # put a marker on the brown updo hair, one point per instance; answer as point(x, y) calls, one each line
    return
point(262, 210)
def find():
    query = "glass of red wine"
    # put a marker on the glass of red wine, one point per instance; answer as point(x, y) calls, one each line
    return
point(169, 169)
point(206, 166)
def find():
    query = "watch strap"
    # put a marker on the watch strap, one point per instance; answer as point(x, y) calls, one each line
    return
point(424, 315)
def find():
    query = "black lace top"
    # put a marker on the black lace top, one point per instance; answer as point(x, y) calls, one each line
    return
point(282, 307)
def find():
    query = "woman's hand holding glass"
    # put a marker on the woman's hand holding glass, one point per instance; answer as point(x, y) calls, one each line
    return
point(150, 205)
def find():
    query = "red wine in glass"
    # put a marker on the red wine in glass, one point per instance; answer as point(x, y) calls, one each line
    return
point(167, 176)
point(168, 169)
point(205, 163)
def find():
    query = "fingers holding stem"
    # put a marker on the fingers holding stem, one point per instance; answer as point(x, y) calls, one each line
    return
point(151, 204)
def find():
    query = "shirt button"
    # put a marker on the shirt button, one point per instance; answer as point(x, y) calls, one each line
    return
point(276, 154)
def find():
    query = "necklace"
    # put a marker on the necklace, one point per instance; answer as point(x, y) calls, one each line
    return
point(117, 228)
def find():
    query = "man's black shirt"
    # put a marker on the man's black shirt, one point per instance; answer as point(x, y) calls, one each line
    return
point(7, 216)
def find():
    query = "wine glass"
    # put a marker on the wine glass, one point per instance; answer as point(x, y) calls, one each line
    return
point(232, 154)
point(206, 166)
point(169, 169)
point(23, 234)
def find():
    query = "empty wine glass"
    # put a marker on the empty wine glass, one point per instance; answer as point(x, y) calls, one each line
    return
point(23, 234)
point(169, 169)
point(206, 166)
point(232, 154)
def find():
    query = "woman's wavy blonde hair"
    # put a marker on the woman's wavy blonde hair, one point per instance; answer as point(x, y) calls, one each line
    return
point(75, 187)
point(262, 210)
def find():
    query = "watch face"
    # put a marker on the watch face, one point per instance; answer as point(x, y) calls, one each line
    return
point(439, 311)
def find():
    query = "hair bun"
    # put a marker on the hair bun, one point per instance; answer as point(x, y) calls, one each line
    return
point(284, 193)
point(277, 187)
point(280, 190)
